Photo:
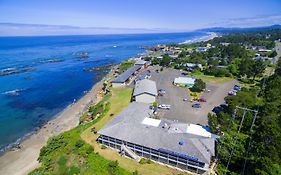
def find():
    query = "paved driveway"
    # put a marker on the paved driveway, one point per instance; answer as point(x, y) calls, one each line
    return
point(182, 110)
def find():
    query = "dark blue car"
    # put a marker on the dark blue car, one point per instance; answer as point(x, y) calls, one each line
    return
point(196, 105)
point(237, 87)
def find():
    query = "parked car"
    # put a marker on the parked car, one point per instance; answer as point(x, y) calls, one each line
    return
point(237, 87)
point(202, 100)
point(161, 92)
point(217, 109)
point(164, 106)
point(232, 92)
point(195, 99)
point(196, 105)
point(185, 99)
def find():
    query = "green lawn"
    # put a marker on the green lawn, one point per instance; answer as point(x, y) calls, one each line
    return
point(211, 79)
point(125, 65)
point(120, 98)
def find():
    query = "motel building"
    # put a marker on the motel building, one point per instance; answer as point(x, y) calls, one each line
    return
point(145, 91)
point(134, 133)
point(124, 78)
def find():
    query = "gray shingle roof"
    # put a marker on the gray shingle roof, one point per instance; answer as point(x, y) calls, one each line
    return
point(126, 75)
point(128, 126)
point(145, 86)
point(140, 62)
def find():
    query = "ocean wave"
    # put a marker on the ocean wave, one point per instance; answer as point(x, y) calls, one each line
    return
point(13, 70)
point(15, 92)
point(16, 144)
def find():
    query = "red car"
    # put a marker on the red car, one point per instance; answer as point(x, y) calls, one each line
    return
point(202, 100)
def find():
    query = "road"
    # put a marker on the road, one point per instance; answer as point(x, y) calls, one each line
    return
point(278, 50)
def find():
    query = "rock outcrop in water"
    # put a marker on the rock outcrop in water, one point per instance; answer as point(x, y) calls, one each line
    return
point(82, 55)
point(51, 61)
point(10, 71)
point(106, 66)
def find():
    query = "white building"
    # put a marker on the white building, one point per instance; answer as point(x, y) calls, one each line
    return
point(186, 146)
point(184, 81)
point(145, 91)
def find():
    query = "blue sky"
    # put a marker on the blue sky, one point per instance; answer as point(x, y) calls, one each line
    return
point(163, 14)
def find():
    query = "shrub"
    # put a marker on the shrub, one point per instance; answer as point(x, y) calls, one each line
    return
point(112, 167)
point(198, 86)
point(103, 147)
point(136, 172)
point(79, 143)
point(145, 161)
point(142, 161)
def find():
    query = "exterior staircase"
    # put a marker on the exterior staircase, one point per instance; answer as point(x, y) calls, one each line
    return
point(129, 152)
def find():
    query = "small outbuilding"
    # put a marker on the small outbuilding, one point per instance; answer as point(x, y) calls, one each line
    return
point(145, 91)
point(142, 63)
point(184, 81)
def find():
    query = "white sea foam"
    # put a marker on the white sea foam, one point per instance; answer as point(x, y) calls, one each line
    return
point(14, 92)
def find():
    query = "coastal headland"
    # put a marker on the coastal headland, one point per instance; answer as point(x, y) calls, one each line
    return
point(24, 160)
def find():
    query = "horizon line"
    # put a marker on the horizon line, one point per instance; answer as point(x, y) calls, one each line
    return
point(63, 30)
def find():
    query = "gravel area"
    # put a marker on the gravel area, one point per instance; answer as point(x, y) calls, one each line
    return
point(182, 110)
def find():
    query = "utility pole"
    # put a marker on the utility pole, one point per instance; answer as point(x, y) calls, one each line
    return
point(249, 145)
point(245, 110)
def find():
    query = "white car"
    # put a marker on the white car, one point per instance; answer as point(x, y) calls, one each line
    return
point(232, 92)
point(164, 106)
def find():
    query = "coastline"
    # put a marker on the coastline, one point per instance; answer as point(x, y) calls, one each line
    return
point(210, 36)
point(23, 160)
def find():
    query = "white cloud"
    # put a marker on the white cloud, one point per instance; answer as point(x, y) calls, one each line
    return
point(248, 22)
point(14, 29)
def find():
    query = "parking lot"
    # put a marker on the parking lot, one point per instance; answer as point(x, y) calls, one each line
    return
point(182, 110)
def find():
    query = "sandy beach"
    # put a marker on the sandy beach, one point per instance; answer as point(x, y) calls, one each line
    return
point(210, 36)
point(24, 160)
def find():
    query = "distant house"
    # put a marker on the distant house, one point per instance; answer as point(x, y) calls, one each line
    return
point(221, 67)
point(201, 49)
point(191, 66)
point(125, 77)
point(141, 63)
point(265, 50)
point(145, 91)
point(184, 81)
point(225, 44)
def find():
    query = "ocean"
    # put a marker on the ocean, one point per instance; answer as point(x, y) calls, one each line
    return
point(40, 76)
